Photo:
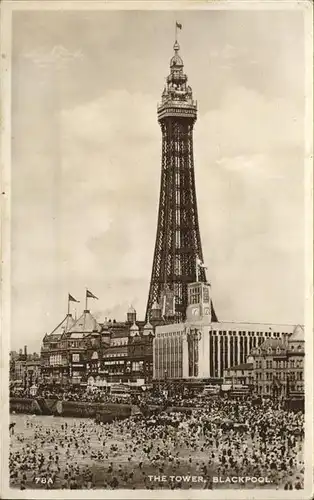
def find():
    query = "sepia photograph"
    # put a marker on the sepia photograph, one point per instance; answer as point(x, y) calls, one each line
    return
point(157, 290)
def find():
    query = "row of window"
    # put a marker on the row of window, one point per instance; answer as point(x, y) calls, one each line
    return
point(296, 363)
point(118, 362)
point(278, 376)
point(233, 333)
point(243, 333)
point(115, 355)
point(298, 348)
point(278, 350)
point(58, 359)
point(169, 334)
point(114, 371)
point(82, 344)
point(269, 389)
point(282, 364)
point(269, 376)
point(136, 367)
point(117, 342)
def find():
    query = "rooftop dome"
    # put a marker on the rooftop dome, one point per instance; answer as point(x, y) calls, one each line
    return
point(131, 310)
point(134, 330)
point(148, 328)
point(176, 59)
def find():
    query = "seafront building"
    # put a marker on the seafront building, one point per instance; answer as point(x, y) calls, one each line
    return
point(199, 349)
point(278, 366)
point(25, 369)
point(86, 352)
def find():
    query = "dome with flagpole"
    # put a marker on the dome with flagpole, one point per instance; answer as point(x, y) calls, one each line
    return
point(148, 329)
point(176, 59)
point(134, 330)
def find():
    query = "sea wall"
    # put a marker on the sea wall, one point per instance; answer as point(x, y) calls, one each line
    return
point(81, 409)
point(40, 406)
point(24, 405)
point(102, 411)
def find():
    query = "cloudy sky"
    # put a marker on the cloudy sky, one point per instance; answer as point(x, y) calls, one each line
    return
point(86, 160)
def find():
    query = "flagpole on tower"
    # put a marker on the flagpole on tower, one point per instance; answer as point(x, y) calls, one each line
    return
point(177, 25)
point(90, 295)
point(71, 299)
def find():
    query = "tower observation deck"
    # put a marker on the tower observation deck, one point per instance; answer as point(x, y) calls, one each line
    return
point(178, 241)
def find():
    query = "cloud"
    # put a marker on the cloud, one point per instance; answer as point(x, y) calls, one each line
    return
point(58, 56)
point(249, 123)
point(114, 187)
point(249, 173)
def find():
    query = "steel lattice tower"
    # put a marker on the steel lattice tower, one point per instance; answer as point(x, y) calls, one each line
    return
point(178, 241)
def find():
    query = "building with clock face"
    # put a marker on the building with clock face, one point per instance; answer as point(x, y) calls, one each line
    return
point(200, 348)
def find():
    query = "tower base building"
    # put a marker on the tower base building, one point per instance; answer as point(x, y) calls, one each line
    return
point(201, 349)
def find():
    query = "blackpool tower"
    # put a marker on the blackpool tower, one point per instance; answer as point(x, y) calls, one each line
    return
point(178, 248)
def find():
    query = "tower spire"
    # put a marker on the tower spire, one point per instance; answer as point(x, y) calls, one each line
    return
point(178, 241)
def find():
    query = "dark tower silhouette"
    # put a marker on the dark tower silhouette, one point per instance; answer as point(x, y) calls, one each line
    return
point(178, 241)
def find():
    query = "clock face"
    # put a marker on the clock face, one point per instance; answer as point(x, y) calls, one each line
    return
point(195, 311)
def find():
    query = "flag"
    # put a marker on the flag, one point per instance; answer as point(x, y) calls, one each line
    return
point(91, 295)
point(72, 299)
point(179, 25)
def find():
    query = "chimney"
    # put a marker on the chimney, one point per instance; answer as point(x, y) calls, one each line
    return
point(25, 351)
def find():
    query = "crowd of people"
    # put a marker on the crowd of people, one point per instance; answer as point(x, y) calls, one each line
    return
point(94, 395)
point(139, 451)
point(82, 395)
